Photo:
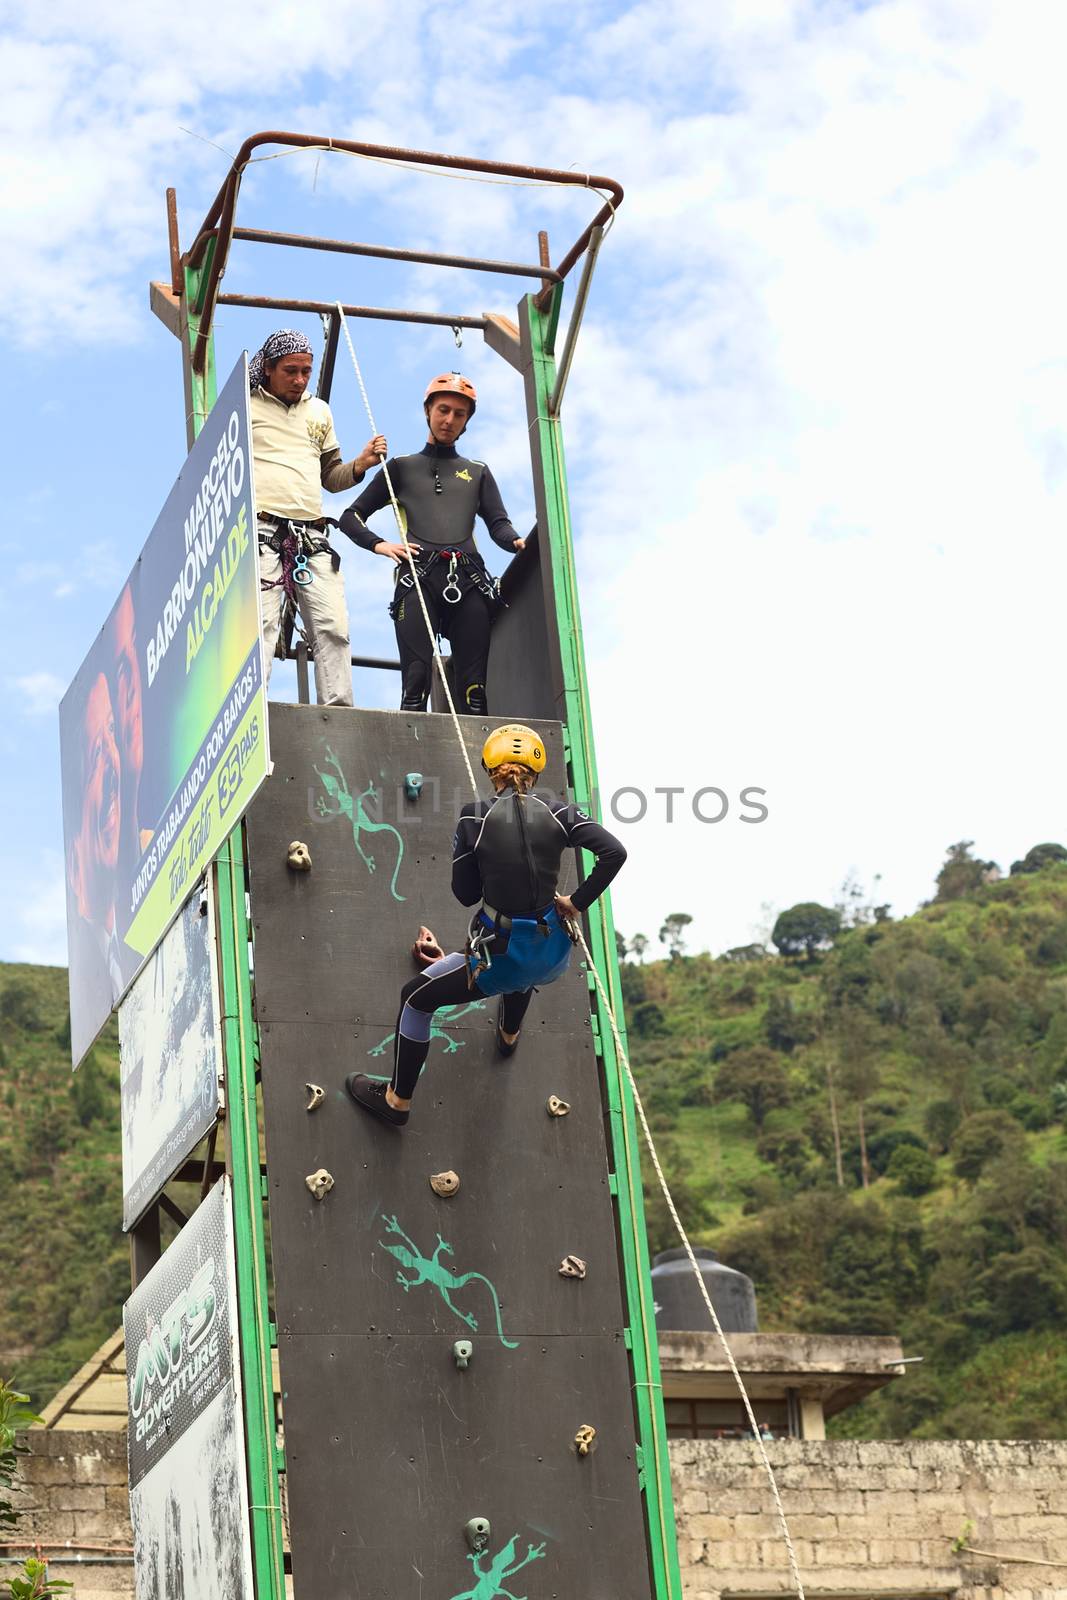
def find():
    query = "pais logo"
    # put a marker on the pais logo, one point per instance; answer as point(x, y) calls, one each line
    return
point(176, 1350)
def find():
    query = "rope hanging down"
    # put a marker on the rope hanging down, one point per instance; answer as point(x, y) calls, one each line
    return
point(402, 530)
point(680, 1229)
point(622, 1055)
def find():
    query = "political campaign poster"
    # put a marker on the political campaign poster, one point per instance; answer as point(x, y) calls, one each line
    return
point(188, 1481)
point(163, 733)
point(170, 1055)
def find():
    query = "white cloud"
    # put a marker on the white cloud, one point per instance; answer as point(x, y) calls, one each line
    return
point(38, 913)
point(38, 693)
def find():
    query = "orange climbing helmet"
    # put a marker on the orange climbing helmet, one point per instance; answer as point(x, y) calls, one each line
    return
point(514, 742)
point(452, 383)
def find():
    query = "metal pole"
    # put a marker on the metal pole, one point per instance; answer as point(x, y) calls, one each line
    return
point(556, 398)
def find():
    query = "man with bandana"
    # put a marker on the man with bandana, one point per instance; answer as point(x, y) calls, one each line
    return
point(296, 455)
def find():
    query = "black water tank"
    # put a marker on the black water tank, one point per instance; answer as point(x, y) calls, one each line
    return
point(680, 1304)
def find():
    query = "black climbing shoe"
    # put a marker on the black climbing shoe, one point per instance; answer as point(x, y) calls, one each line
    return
point(370, 1094)
point(502, 1046)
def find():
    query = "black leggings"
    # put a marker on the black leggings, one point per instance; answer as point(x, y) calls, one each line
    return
point(443, 984)
point(466, 626)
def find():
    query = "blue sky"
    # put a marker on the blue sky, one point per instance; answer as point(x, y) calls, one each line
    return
point(815, 429)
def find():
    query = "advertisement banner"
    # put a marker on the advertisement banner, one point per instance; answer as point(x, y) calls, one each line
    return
point(163, 733)
point(170, 1055)
point(188, 1483)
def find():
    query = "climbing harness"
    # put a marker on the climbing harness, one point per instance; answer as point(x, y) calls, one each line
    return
point(294, 544)
point(461, 564)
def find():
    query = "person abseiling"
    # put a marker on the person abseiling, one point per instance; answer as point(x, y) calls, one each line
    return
point(296, 455)
point(506, 854)
point(440, 493)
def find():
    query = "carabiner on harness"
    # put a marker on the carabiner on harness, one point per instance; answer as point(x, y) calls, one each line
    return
point(302, 574)
point(452, 591)
point(479, 938)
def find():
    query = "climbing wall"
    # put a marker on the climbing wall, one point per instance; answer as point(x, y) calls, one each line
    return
point(393, 1445)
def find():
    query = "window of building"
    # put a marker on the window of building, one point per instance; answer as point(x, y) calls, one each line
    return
point(726, 1419)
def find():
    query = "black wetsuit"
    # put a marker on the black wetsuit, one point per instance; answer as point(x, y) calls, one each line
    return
point(508, 848)
point(440, 493)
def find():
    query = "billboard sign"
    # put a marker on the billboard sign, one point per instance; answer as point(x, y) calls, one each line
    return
point(170, 1055)
point(163, 733)
point(188, 1482)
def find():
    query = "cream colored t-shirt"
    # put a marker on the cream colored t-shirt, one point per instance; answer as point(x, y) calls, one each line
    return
point(296, 456)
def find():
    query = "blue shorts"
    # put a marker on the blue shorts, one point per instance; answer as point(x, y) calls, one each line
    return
point(530, 956)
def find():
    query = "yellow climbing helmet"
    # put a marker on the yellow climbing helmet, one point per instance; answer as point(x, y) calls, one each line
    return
point(514, 742)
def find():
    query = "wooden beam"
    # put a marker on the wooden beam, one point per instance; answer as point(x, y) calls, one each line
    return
point(502, 335)
point(164, 302)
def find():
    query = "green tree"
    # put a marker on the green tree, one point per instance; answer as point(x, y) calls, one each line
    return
point(754, 1077)
point(620, 946)
point(1025, 1289)
point(18, 1006)
point(961, 873)
point(806, 928)
point(672, 933)
point(913, 1171)
point(982, 1138)
point(856, 1046)
point(1039, 856)
point(638, 946)
point(783, 1026)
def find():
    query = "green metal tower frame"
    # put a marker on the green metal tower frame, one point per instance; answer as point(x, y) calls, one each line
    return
point(187, 307)
point(256, 1335)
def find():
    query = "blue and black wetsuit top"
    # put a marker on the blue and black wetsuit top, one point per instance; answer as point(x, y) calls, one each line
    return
point(440, 493)
point(507, 852)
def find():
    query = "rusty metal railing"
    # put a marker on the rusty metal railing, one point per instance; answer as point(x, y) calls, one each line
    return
point(220, 225)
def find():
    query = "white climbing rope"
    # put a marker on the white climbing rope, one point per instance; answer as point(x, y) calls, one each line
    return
point(680, 1229)
point(402, 530)
point(620, 1050)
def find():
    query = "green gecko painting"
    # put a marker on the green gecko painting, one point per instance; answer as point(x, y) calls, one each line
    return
point(452, 1013)
point(346, 805)
point(429, 1269)
point(502, 1565)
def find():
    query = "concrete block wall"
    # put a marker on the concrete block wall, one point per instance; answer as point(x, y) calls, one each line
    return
point(874, 1518)
point(75, 1494)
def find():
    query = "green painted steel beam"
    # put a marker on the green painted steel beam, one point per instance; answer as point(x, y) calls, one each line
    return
point(240, 1046)
point(625, 1150)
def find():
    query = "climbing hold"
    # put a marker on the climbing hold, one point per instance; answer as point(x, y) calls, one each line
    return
point(572, 1267)
point(557, 1107)
point(320, 1183)
point(316, 1095)
point(412, 785)
point(584, 1439)
point(299, 857)
point(426, 948)
point(477, 1531)
point(444, 1183)
point(462, 1350)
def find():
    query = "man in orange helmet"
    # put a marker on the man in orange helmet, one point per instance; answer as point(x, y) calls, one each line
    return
point(440, 493)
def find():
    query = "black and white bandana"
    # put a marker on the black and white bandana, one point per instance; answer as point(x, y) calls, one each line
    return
point(286, 342)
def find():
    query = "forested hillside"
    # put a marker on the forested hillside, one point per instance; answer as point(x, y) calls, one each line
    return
point(868, 1120)
point(64, 1263)
point(873, 1128)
